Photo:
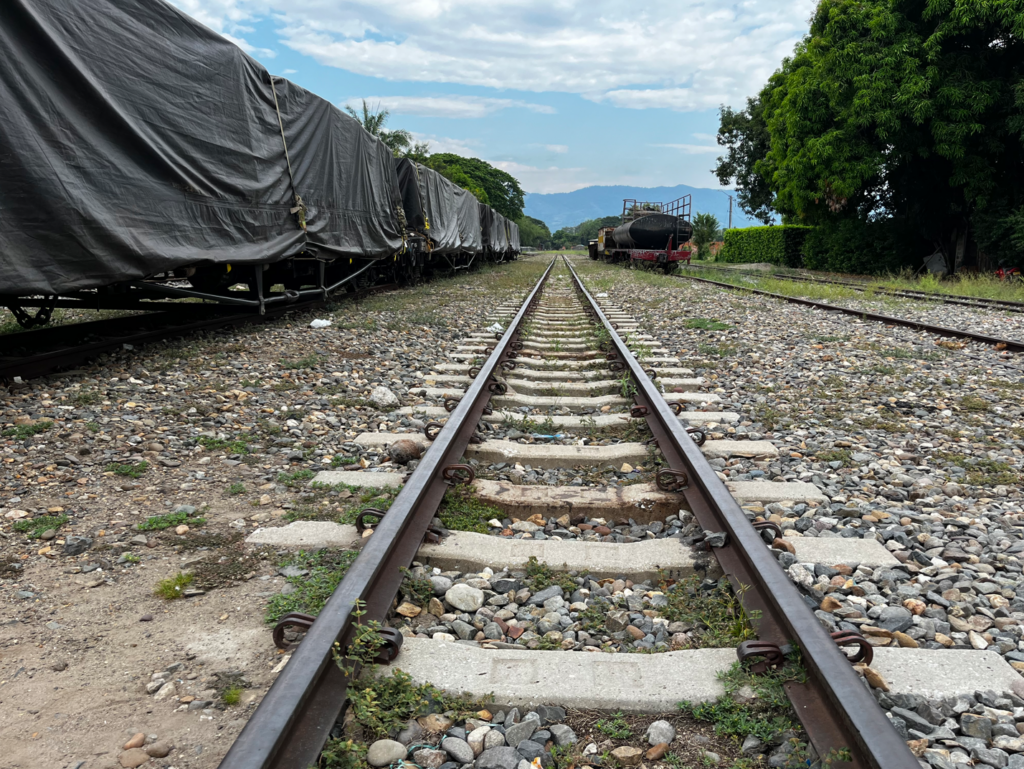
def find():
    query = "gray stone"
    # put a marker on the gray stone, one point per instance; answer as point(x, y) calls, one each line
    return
point(411, 733)
point(429, 758)
point(530, 750)
point(979, 727)
point(76, 545)
point(562, 734)
point(493, 739)
point(441, 584)
point(660, 731)
point(550, 714)
point(990, 756)
point(464, 630)
point(458, 749)
point(504, 757)
point(894, 618)
point(913, 720)
point(1016, 761)
point(752, 745)
point(384, 752)
point(465, 598)
point(522, 731)
point(549, 592)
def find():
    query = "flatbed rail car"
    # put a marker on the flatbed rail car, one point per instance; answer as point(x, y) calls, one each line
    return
point(650, 235)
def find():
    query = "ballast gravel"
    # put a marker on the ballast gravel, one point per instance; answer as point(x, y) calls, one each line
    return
point(915, 444)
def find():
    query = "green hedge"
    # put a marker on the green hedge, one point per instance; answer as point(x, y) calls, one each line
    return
point(778, 244)
point(863, 248)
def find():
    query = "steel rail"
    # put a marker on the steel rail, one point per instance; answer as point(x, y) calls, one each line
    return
point(958, 299)
point(294, 720)
point(1009, 344)
point(834, 706)
point(72, 348)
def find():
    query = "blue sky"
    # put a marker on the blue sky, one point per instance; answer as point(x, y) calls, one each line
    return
point(562, 94)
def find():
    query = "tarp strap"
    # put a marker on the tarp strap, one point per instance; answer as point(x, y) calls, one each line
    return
point(299, 209)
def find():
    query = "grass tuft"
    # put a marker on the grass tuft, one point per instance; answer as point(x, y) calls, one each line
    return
point(35, 527)
point(173, 587)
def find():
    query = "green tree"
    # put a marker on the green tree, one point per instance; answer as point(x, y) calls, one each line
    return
point(374, 121)
point(420, 152)
point(583, 232)
point(533, 232)
point(910, 111)
point(491, 185)
point(706, 230)
point(745, 135)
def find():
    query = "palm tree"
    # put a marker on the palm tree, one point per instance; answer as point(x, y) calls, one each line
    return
point(374, 121)
point(705, 232)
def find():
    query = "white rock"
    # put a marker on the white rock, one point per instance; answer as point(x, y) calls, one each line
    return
point(464, 597)
point(165, 691)
point(383, 397)
point(320, 323)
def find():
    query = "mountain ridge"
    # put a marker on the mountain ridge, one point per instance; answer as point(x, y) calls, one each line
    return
point(567, 209)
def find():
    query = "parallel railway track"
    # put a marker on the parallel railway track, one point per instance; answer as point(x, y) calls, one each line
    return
point(296, 716)
point(1012, 345)
point(1005, 305)
point(48, 350)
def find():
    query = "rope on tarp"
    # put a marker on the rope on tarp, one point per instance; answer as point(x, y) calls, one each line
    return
point(299, 209)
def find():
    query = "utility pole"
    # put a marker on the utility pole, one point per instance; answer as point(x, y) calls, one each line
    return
point(730, 212)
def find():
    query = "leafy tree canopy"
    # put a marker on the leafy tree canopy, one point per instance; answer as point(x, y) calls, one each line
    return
point(745, 135)
point(584, 231)
point(500, 190)
point(910, 110)
point(534, 233)
point(398, 141)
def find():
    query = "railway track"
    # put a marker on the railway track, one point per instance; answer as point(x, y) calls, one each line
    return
point(965, 301)
point(1000, 343)
point(51, 349)
point(562, 350)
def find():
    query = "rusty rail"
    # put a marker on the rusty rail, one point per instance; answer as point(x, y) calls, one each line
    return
point(859, 285)
point(833, 705)
point(1012, 345)
point(294, 720)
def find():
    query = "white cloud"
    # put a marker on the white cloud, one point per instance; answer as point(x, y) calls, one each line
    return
point(453, 106)
point(676, 54)
point(252, 50)
point(465, 147)
point(559, 148)
point(692, 149)
point(289, 71)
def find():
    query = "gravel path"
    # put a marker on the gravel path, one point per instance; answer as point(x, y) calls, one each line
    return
point(916, 445)
point(220, 434)
point(994, 322)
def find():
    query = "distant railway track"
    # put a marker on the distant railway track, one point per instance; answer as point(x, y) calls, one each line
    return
point(560, 337)
point(51, 349)
point(1012, 345)
point(965, 301)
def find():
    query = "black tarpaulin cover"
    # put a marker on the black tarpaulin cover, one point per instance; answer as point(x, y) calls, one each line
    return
point(514, 241)
point(470, 221)
point(501, 240)
point(431, 206)
point(135, 140)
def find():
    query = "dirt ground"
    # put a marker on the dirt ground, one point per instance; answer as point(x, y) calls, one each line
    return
point(76, 658)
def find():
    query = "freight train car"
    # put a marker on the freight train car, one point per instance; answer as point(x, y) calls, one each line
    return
point(650, 235)
point(143, 157)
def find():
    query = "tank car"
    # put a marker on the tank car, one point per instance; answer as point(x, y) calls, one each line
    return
point(650, 235)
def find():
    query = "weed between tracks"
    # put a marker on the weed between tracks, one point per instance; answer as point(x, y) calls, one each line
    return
point(313, 577)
